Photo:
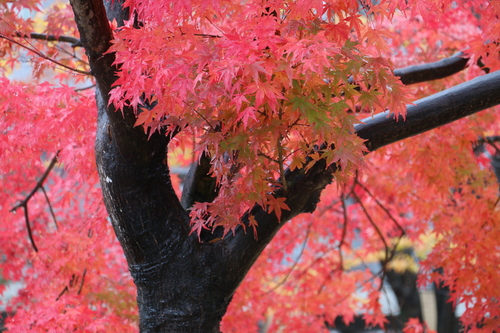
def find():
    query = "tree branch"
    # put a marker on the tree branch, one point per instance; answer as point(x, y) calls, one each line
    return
point(431, 112)
point(50, 207)
point(24, 203)
point(75, 42)
point(42, 55)
point(432, 71)
point(487, 139)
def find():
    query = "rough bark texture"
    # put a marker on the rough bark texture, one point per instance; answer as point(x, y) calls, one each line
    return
point(184, 285)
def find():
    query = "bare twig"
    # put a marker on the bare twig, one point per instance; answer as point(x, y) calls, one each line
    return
point(344, 231)
point(24, 203)
point(281, 167)
point(65, 290)
point(83, 280)
point(50, 207)
point(401, 229)
point(38, 184)
point(372, 222)
point(203, 117)
point(28, 227)
point(208, 36)
point(379, 232)
point(85, 88)
point(72, 282)
point(340, 266)
point(296, 261)
point(70, 54)
point(32, 49)
point(383, 207)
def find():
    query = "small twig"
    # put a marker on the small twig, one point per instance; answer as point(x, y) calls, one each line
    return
point(302, 248)
point(383, 207)
point(38, 184)
point(344, 231)
point(208, 36)
point(216, 27)
point(85, 88)
point(282, 168)
point(269, 158)
point(280, 154)
point(396, 244)
point(24, 203)
point(62, 292)
point(379, 232)
point(372, 222)
point(28, 227)
point(321, 256)
point(203, 117)
point(328, 276)
point(75, 42)
point(340, 266)
point(83, 280)
point(71, 54)
point(42, 55)
point(73, 280)
point(50, 206)
point(361, 284)
point(330, 207)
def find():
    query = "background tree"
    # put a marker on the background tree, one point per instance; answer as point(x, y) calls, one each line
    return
point(266, 99)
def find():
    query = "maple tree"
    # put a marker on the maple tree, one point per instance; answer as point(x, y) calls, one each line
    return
point(275, 105)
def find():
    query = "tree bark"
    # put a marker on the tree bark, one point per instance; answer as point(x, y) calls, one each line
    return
point(433, 71)
point(185, 285)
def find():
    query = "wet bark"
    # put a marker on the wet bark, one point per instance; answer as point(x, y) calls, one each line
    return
point(185, 285)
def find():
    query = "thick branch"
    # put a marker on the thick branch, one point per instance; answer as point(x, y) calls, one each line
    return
point(432, 71)
point(431, 112)
point(304, 190)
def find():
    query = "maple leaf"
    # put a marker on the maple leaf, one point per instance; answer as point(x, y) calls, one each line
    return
point(245, 115)
point(276, 205)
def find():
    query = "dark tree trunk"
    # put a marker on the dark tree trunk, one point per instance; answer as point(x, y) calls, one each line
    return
point(185, 285)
